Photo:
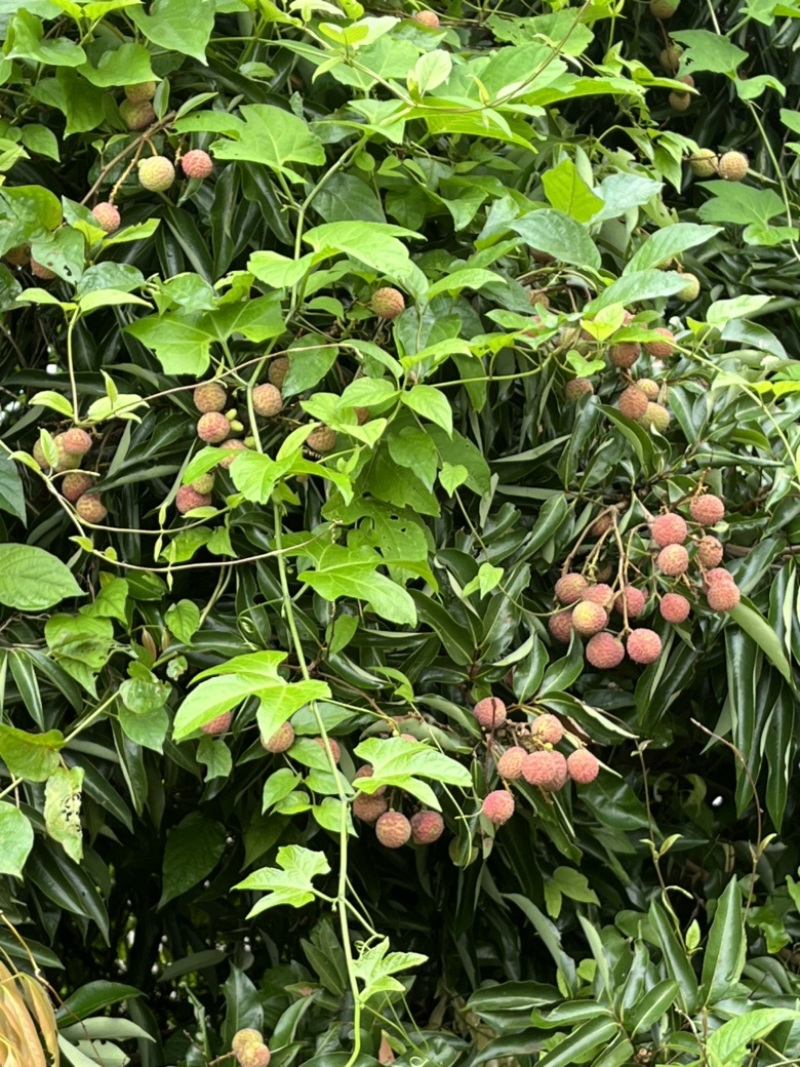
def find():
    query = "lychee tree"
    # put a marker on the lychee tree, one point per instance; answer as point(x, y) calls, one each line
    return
point(399, 468)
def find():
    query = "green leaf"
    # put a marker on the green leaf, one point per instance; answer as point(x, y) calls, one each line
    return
point(372, 243)
point(754, 624)
point(568, 192)
point(728, 1044)
point(667, 243)
point(289, 883)
point(675, 958)
point(215, 757)
point(16, 839)
point(180, 341)
point(32, 580)
point(177, 25)
point(582, 1044)
point(12, 496)
point(25, 39)
point(183, 619)
point(652, 1006)
point(277, 786)
point(62, 808)
point(194, 847)
point(432, 404)
point(727, 946)
point(272, 137)
point(708, 51)
point(352, 572)
point(430, 70)
point(33, 757)
point(558, 235)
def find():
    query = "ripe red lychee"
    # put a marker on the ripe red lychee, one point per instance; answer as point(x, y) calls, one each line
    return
point(197, 164)
point(75, 485)
point(668, 530)
point(277, 371)
point(136, 94)
point(498, 806)
point(231, 448)
point(267, 400)
point(213, 427)
point(387, 303)
point(673, 560)
point(547, 769)
point(674, 608)
point(664, 346)
point(632, 403)
point(709, 551)
point(369, 807)
point(393, 829)
point(322, 439)
point(40, 271)
point(733, 166)
point(334, 747)
point(426, 827)
point(90, 508)
point(578, 387)
point(509, 766)
point(107, 216)
point(560, 626)
point(490, 713)
point(663, 9)
point(723, 596)
point(137, 115)
point(588, 618)
point(209, 396)
point(570, 587)
point(427, 18)
point(648, 387)
point(601, 594)
point(717, 574)
point(75, 441)
point(708, 510)
point(187, 499)
point(605, 651)
point(547, 729)
point(643, 646)
point(624, 354)
point(218, 725)
point(281, 740)
point(583, 767)
point(635, 602)
point(156, 173)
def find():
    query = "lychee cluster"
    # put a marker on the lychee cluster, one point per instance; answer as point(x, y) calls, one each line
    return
point(157, 173)
point(77, 486)
point(393, 829)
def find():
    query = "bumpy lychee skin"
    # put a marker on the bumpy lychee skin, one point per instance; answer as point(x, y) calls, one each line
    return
point(426, 827)
point(569, 587)
point(723, 596)
point(209, 396)
point(635, 602)
point(601, 594)
point(204, 484)
point(704, 163)
point(664, 346)
point(427, 18)
point(140, 91)
point(600, 525)
point(632, 403)
point(670, 58)
point(322, 439)
point(267, 400)
point(219, 725)
point(560, 626)
point(75, 485)
point(137, 116)
point(277, 371)
point(578, 387)
point(709, 551)
point(156, 174)
point(197, 164)
point(187, 499)
point(643, 646)
point(656, 416)
point(490, 713)
point(588, 618)
point(393, 829)
point(673, 560)
point(648, 387)
point(663, 9)
point(91, 508)
point(75, 441)
point(281, 740)
point(733, 166)
point(255, 1056)
point(387, 303)
point(107, 216)
point(231, 448)
point(547, 729)
point(691, 288)
point(674, 608)
point(625, 354)
point(213, 427)
point(40, 271)
point(605, 651)
point(334, 747)
point(547, 769)
point(369, 807)
point(498, 806)
point(509, 766)
point(18, 256)
point(583, 767)
point(708, 510)
point(244, 1041)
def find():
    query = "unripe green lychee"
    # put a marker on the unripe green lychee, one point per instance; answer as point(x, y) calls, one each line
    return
point(624, 354)
point(648, 387)
point(674, 608)
point(75, 485)
point(498, 806)
point(213, 427)
point(140, 91)
point(107, 216)
point(137, 116)
point(40, 271)
point(277, 371)
point(733, 166)
point(663, 346)
point(331, 745)
point(670, 57)
point(281, 740)
point(708, 510)
point(643, 646)
point(219, 725)
point(663, 9)
point(427, 18)
point(588, 618)
point(547, 729)
point(632, 403)
point(560, 626)
point(369, 807)
point(578, 387)
point(393, 829)
point(570, 587)
point(90, 508)
point(601, 594)
point(634, 601)
point(156, 173)
point(426, 827)
point(209, 396)
point(723, 596)
point(691, 288)
point(387, 303)
point(67, 461)
point(547, 769)
point(656, 416)
point(267, 400)
point(75, 441)
point(187, 499)
point(668, 529)
point(197, 164)
point(204, 484)
point(231, 449)
point(673, 560)
point(583, 767)
point(605, 651)
point(322, 439)
point(509, 766)
point(245, 1039)
point(709, 552)
point(490, 713)
point(679, 101)
point(704, 163)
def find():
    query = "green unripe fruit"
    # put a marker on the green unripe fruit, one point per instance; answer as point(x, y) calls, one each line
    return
point(156, 174)
point(137, 116)
point(691, 289)
point(140, 92)
point(670, 58)
point(656, 416)
point(704, 163)
point(663, 9)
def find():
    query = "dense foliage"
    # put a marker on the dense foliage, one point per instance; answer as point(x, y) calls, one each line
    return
point(496, 302)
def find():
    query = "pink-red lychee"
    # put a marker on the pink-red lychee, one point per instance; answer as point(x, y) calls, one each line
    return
point(334, 747)
point(187, 499)
point(643, 646)
point(267, 400)
point(547, 729)
point(427, 18)
point(197, 164)
point(668, 530)
point(601, 594)
point(498, 806)
point(624, 354)
point(632, 403)
point(231, 449)
point(709, 551)
point(75, 485)
point(509, 766)
point(219, 725)
point(91, 508)
point(578, 387)
point(547, 769)
point(369, 807)
point(322, 439)
point(426, 827)
point(664, 345)
point(490, 713)
point(708, 510)
point(75, 441)
point(674, 608)
point(634, 600)
point(393, 829)
point(588, 618)
point(213, 427)
point(281, 740)
point(673, 560)
point(718, 574)
point(387, 303)
point(569, 588)
point(209, 396)
point(107, 216)
point(277, 370)
point(560, 626)
point(723, 596)
point(583, 767)
point(605, 651)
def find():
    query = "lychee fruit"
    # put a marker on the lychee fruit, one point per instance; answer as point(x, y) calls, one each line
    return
point(680, 101)
point(709, 551)
point(578, 387)
point(255, 1056)
point(583, 767)
point(369, 807)
point(643, 646)
point(632, 403)
point(75, 441)
point(673, 560)
point(367, 772)
point(277, 371)
point(648, 387)
point(600, 525)
point(231, 448)
point(213, 427)
point(569, 587)
point(670, 57)
point(75, 485)
point(663, 347)
point(498, 806)
point(704, 163)
point(156, 174)
point(588, 618)
point(547, 769)
point(426, 827)
point(733, 166)
point(490, 713)
point(90, 508)
point(267, 400)
point(334, 747)
point(219, 725)
point(560, 626)
point(624, 354)
point(322, 439)
point(674, 608)
point(708, 510)
point(209, 396)
point(547, 729)
point(281, 740)
point(187, 499)
point(107, 216)
point(427, 18)
point(197, 164)
point(691, 287)
point(663, 9)
point(204, 484)
point(635, 601)
point(656, 416)
point(601, 594)
point(137, 94)
point(40, 271)
point(137, 116)
point(387, 303)
point(605, 651)
point(393, 829)
point(18, 256)
point(723, 596)
point(509, 766)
